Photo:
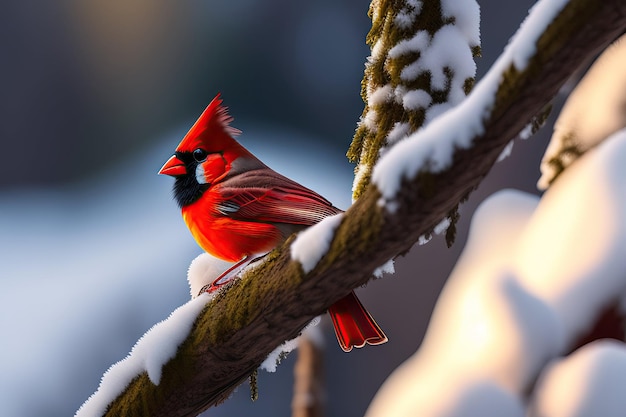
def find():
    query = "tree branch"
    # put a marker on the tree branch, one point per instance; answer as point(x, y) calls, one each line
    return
point(272, 303)
point(309, 385)
point(396, 23)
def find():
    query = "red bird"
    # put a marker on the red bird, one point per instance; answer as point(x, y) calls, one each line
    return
point(238, 210)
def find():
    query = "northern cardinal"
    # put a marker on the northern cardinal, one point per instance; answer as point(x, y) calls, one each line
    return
point(238, 209)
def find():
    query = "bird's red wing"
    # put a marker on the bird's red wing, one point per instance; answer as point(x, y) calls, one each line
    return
point(273, 199)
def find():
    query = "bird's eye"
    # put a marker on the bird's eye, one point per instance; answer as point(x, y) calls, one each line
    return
point(200, 155)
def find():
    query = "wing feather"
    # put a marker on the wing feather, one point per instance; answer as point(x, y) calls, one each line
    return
point(266, 196)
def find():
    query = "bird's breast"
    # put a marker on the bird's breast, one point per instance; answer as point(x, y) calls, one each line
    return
point(227, 238)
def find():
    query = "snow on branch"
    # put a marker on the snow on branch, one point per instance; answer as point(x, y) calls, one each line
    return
point(238, 329)
point(523, 73)
point(421, 64)
point(582, 125)
point(155, 348)
point(535, 276)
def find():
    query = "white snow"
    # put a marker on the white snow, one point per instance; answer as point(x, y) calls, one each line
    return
point(526, 132)
point(572, 252)
point(415, 99)
point(311, 331)
point(203, 270)
point(386, 268)
point(533, 276)
point(377, 51)
point(435, 143)
point(594, 110)
point(417, 43)
point(399, 131)
point(157, 346)
point(312, 243)
point(407, 15)
point(360, 171)
point(436, 110)
point(478, 335)
point(589, 382)
point(467, 18)
point(506, 152)
point(449, 47)
point(270, 364)
point(424, 239)
point(379, 96)
point(442, 226)
point(371, 120)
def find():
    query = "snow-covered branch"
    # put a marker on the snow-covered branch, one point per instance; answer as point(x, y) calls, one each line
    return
point(421, 64)
point(580, 125)
point(537, 277)
point(416, 184)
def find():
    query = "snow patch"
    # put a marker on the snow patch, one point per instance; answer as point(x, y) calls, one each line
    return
point(370, 120)
point(572, 252)
point(416, 99)
point(506, 152)
point(386, 268)
point(529, 282)
point(203, 270)
point(407, 15)
point(589, 382)
point(270, 364)
point(380, 96)
point(398, 132)
point(433, 145)
point(155, 348)
point(448, 48)
point(417, 43)
point(466, 16)
point(446, 57)
point(312, 244)
point(442, 226)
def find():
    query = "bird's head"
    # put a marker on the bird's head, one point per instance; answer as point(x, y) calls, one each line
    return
point(205, 155)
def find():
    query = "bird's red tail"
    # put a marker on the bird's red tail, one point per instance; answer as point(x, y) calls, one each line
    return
point(354, 326)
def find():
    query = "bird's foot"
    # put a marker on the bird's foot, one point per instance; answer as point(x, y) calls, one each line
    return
point(231, 273)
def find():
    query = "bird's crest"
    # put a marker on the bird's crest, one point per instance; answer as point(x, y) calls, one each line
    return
point(211, 129)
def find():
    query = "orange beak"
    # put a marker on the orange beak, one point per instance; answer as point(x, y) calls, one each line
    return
point(173, 167)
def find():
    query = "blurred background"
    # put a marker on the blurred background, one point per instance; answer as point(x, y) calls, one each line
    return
point(93, 252)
